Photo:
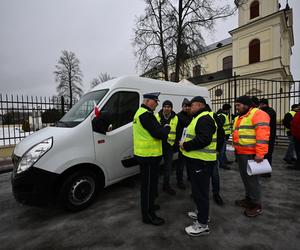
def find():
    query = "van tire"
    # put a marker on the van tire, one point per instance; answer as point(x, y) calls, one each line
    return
point(78, 190)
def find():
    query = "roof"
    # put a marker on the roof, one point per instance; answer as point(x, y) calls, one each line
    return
point(219, 75)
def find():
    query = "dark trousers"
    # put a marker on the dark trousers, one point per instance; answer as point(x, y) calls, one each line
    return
point(149, 167)
point(268, 156)
point(181, 162)
point(168, 158)
point(297, 149)
point(200, 173)
point(222, 158)
point(251, 182)
point(215, 178)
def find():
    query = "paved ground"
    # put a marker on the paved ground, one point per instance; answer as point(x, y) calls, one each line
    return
point(114, 221)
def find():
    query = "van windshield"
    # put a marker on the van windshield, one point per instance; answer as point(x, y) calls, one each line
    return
point(81, 109)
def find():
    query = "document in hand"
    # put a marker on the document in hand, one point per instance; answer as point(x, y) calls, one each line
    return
point(254, 168)
point(183, 136)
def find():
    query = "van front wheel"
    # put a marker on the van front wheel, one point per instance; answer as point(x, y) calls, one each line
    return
point(78, 190)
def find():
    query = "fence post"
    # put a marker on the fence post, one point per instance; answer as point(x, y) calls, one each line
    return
point(235, 91)
point(62, 105)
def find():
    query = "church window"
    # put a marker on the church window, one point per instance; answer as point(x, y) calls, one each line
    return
point(254, 9)
point(254, 51)
point(227, 62)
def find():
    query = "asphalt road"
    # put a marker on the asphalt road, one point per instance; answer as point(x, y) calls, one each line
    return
point(114, 221)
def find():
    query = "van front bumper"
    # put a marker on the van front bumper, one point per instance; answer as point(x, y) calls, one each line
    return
point(34, 186)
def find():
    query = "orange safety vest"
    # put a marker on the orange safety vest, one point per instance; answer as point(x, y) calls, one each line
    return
point(251, 133)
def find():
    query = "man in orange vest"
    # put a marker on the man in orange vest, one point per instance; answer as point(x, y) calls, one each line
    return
point(251, 132)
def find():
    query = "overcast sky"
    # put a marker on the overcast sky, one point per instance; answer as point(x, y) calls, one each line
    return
point(34, 32)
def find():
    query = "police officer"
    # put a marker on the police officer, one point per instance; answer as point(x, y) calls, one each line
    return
point(200, 149)
point(147, 141)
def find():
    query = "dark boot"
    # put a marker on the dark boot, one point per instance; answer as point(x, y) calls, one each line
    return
point(154, 220)
point(218, 200)
point(169, 190)
point(180, 185)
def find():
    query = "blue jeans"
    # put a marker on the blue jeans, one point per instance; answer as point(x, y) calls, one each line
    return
point(290, 152)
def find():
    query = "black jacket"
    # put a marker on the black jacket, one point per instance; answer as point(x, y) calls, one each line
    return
point(287, 120)
point(272, 114)
point(205, 128)
point(150, 123)
point(184, 119)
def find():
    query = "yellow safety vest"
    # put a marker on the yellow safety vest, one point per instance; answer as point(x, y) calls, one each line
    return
point(226, 125)
point(293, 114)
point(209, 153)
point(144, 144)
point(173, 125)
point(246, 131)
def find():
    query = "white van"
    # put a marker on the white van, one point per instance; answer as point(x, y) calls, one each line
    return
point(82, 153)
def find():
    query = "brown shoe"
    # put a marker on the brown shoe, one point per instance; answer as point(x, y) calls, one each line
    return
point(245, 203)
point(254, 211)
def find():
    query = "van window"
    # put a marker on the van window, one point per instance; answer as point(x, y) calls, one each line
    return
point(81, 109)
point(121, 108)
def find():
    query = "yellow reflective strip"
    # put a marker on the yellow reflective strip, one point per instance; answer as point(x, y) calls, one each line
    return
point(247, 136)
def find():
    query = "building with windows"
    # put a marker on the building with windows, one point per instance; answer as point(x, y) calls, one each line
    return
point(260, 47)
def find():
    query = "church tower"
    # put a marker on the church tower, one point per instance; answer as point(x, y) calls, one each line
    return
point(262, 43)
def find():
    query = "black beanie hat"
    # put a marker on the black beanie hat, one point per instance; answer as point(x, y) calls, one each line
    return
point(244, 99)
point(186, 102)
point(198, 99)
point(264, 101)
point(226, 106)
point(167, 102)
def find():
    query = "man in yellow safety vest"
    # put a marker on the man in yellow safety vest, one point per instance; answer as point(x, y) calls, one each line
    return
point(147, 147)
point(200, 149)
point(167, 116)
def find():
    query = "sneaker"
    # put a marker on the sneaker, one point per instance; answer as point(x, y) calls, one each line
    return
point(169, 190)
point(254, 211)
point(245, 203)
point(197, 229)
point(193, 215)
point(218, 200)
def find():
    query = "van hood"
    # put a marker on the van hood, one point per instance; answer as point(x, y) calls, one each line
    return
point(37, 137)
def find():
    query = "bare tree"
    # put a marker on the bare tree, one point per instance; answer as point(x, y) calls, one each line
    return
point(183, 22)
point(152, 37)
point(69, 76)
point(103, 77)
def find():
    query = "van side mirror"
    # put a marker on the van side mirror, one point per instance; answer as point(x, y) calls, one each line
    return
point(101, 124)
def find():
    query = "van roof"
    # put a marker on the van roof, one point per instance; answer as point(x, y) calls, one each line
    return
point(151, 85)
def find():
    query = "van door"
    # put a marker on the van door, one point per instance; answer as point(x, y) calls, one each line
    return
point(113, 142)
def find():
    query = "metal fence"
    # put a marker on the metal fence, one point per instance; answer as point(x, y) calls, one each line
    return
point(22, 115)
point(281, 95)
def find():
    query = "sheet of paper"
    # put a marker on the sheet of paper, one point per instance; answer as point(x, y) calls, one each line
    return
point(183, 136)
point(254, 168)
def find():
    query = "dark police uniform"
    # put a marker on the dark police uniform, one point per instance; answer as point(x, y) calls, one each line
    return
point(147, 140)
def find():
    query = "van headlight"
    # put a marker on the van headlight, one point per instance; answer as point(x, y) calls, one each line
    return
point(33, 154)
